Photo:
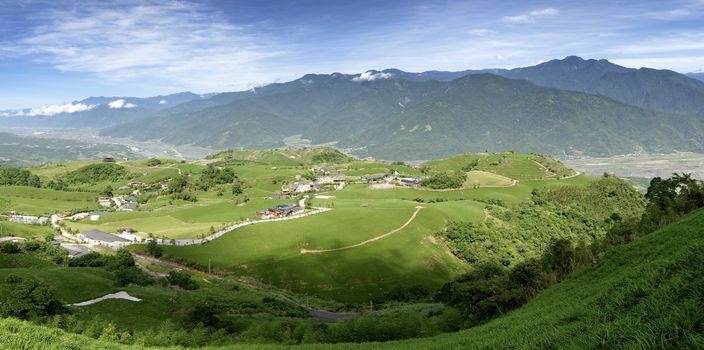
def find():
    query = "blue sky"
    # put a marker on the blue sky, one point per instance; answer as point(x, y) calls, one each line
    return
point(60, 51)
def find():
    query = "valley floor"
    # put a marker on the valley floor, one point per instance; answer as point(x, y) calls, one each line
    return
point(645, 166)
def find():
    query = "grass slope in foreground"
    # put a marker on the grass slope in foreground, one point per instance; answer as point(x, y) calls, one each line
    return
point(644, 295)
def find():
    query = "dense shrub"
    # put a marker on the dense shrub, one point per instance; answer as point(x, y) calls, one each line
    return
point(445, 180)
point(95, 173)
point(213, 176)
point(121, 264)
point(330, 156)
point(154, 249)
point(153, 162)
point(25, 297)
point(182, 279)
point(18, 177)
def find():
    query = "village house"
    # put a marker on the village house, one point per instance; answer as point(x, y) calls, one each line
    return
point(373, 178)
point(30, 220)
point(95, 216)
point(410, 181)
point(96, 237)
point(281, 210)
point(326, 169)
point(74, 250)
point(300, 187)
point(104, 202)
point(135, 183)
point(331, 179)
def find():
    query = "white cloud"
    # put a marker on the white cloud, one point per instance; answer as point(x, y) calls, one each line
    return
point(186, 44)
point(119, 104)
point(371, 76)
point(57, 109)
point(530, 16)
point(162, 102)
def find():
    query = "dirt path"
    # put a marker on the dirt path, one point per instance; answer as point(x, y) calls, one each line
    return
point(118, 295)
point(318, 251)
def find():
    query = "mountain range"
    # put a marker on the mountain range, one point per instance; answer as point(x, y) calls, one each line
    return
point(570, 106)
point(696, 75)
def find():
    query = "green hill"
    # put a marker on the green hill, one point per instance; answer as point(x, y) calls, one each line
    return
point(644, 295)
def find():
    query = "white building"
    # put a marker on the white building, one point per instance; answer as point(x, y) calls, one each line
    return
point(29, 220)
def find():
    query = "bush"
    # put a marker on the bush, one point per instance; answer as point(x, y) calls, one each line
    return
point(18, 177)
point(182, 279)
point(23, 297)
point(154, 249)
point(9, 248)
point(95, 173)
point(153, 162)
point(445, 181)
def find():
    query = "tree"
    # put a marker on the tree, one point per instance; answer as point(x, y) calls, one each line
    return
point(561, 258)
point(237, 188)
point(107, 191)
point(23, 297)
point(154, 249)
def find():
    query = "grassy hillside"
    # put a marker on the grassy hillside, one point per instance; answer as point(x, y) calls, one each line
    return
point(643, 295)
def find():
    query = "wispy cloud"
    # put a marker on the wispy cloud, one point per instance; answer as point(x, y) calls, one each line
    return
point(179, 41)
point(532, 15)
point(481, 32)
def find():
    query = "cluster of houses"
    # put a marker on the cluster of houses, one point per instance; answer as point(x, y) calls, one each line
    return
point(132, 184)
point(395, 178)
point(122, 203)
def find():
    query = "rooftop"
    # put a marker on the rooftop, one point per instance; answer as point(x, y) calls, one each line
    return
point(97, 235)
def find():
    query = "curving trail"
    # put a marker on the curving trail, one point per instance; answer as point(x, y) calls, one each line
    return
point(318, 251)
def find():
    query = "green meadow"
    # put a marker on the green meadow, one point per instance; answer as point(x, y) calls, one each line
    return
point(644, 295)
point(40, 201)
point(271, 252)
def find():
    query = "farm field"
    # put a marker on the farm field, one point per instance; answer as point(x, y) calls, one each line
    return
point(478, 178)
